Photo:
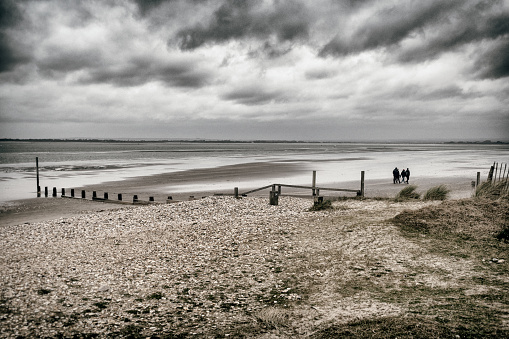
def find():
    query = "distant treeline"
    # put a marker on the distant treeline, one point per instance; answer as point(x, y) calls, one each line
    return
point(485, 142)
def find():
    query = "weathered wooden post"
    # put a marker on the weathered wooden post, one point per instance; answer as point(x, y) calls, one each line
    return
point(46, 191)
point(236, 192)
point(362, 184)
point(314, 183)
point(490, 174)
point(63, 192)
point(37, 170)
point(274, 198)
point(317, 200)
point(54, 192)
point(478, 179)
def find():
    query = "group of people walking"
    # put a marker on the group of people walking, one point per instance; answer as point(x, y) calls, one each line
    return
point(400, 177)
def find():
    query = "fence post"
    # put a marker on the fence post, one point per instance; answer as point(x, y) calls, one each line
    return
point(37, 170)
point(362, 184)
point(236, 192)
point(314, 183)
point(54, 192)
point(273, 198)
point(490, 174)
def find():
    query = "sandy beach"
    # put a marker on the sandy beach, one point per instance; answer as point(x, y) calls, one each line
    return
point(160, 188)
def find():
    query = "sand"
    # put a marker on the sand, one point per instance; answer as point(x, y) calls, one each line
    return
point(162, 186)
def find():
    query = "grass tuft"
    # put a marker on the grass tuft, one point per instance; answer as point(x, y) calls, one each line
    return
point(493, 190)
point(437, 193)
point(408, 193)
point(322, 206)
point(272, 317)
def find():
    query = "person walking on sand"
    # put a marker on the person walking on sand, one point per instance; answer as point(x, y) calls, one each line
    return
point(395, 174)
point(403, 175)
point(407, 175)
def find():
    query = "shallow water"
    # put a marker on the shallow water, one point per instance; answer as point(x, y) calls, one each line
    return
point(77, 163)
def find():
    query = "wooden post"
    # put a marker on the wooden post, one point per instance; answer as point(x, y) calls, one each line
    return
point(150, 198)
point(83, 194)
point(63, 192)
point(54, 192)
point(314, 183)
point(72, 192)
point(37, 170)
point(490, 174)
point(236, 192)
point(120, 197)
point(478, 179)
point(46, 191)
point(279, 189)
point(273, 198)
point(362, 184)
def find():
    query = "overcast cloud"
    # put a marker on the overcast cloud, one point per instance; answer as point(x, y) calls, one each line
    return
point(255, 69)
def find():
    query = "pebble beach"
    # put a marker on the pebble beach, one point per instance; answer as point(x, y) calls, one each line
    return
point(202, 267)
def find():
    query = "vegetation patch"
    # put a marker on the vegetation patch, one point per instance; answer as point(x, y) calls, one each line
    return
point(437, 193)
point(493, 190)
point(408, 193)
point(322, 206)
point(405, 327)
point(468, 218)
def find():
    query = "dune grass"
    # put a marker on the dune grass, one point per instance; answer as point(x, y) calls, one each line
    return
point(493, 190)
point(440, 192)
point(408, 193)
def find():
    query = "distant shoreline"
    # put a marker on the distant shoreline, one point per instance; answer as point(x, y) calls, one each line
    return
point(142, 140)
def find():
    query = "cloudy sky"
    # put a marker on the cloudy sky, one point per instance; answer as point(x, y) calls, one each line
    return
point(255, 69)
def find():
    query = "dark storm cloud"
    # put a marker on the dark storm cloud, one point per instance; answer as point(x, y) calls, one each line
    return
point(441, 26)
point(389, 26)
point(145, 6)
point(422, 93)
point(494, 63)
point(139, 71)
point(10, 16)
point(472, 28)
point(254, 95)
point(237, 19)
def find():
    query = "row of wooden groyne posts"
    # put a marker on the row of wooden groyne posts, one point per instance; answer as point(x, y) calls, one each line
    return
point(275, 192)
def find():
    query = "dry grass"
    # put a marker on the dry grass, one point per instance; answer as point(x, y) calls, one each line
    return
point(493, 190)
point(408, 193)
point(437, 193)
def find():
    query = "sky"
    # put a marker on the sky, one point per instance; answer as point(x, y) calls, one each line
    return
point(339, 70)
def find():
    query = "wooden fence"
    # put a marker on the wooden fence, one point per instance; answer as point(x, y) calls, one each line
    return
point(496, 173)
